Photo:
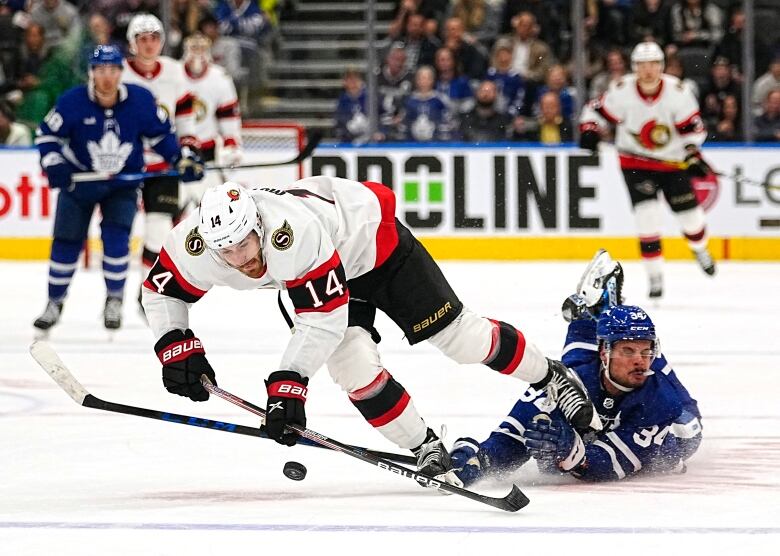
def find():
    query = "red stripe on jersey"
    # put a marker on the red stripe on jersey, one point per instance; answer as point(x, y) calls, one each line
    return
point(519, 352)
point(168, 264)
point(691, 124)
point(318, 272)
point(599, 107)
point(326, 307)
point(396, 410)
point(184, 105)
point(634, 162)
point(229, 110)
point(386, 234)
point(143, 73)
point(653, 97)
point(157, 167)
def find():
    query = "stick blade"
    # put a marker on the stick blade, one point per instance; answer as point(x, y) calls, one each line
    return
point(515, 500)
point(50, 362)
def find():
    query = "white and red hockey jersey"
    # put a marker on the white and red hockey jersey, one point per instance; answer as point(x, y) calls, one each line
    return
point(217, 112)
point(317, 233)
point(651, 131)
point(168, 84)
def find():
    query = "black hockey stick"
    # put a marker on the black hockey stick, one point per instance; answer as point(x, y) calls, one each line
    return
point(50, 362)
point(313, 141)
point(738, 178)
point(512, 502)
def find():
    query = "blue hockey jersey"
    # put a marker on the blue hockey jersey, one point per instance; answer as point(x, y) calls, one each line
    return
point(97, 139)
point(654, 428)
point(427, 117)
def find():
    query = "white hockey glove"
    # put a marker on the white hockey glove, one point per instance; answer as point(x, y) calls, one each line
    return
point(231, 155)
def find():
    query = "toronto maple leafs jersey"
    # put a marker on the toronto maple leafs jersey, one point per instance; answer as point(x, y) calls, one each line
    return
point(96, 139)
point(427, 118)
point(651, 132)
point(317, 233)
point(216, 109)
point(168, 84)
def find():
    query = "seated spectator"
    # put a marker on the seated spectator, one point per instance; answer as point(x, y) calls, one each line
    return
point(99, 34)
point(480, 19)
point(60, 21)
point(767, 82)
point(696, 23)
point(674, 67)
point(225, 51)
point(394, 83)
point(470, 56)
point(484, 123)
point(557, 82)
point(728, 126)
point(426, 114)
point(721, 85)
point(420, 48)
point(352, 125)
point(549, 128)
point(613, 21)
point(431, 12)
point(616, 67)
point(651, 22)
point(12, 134)
point(531, 57)
point(550, 17)
point(241, 19)
point(450, 84)
point(512, 92)
point(767, 125)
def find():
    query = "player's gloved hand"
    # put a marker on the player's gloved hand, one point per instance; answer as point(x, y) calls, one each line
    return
point(58, 170)
point(189, 164)
point(548, 440)
point(287, 391)
point(231, 155)
point(184, 360)
point(468, 463)
point(589, 139)
point(697, 166)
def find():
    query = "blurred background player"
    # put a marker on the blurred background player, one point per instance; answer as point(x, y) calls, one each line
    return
point(217, 114)
point(659, 131)
point(100, 127)
point(337, 248)
point(651, 424)
point(165, 78)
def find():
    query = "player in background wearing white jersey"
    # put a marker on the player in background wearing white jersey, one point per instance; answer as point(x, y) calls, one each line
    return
point(165, 78)
point(658, 133)
point(217, 114)
point(337, 248)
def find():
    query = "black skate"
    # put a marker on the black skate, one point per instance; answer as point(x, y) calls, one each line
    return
point(112, 314)
point(564, 387)
point(656, 286)
point(50, 316)
point(705, 260)
point(434, 460)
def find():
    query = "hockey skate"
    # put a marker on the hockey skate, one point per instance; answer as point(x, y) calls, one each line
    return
point(50, 317)
point(600, 286)
point(705, 260)
point(112, 314)
point(656, 286)
point(565, 389)
point(434, 460)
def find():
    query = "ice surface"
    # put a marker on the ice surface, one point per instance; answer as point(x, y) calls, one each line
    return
point(80, 481)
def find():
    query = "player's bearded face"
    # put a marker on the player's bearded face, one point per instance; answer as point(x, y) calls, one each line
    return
point(245, 256)
point(629, 362)
point(106, 80)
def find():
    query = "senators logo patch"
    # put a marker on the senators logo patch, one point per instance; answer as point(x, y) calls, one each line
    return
point(282, 238)
point(233, 194)
point(194, 243)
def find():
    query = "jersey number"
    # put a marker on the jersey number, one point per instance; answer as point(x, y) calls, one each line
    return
point(160, 279)
point(332, 286)
point(645, 437)
point(215, 221)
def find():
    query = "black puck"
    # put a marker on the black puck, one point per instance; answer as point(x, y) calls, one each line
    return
point(294, 470)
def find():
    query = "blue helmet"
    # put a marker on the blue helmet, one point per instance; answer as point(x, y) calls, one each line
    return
point(625, 322)
point(106, 55)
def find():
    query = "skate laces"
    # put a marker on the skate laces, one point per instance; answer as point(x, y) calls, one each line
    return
point(432, 457)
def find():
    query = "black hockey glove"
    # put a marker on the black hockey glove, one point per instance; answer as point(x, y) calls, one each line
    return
point(287, 391)
point(184, 360)
point(697, 166)
point(189, 164)
point(589, 139)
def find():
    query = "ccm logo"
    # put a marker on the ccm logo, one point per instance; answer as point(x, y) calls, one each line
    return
point(182, 348)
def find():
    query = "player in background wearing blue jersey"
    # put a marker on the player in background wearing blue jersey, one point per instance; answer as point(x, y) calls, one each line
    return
point(100, 127)
point(651, 424)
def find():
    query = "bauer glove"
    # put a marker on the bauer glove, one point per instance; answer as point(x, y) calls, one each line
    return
point(184, 361)
point(286, 395)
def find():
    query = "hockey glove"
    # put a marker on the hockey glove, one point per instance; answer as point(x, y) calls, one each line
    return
point(286, 395)
point(184, 360)
point(468, 462)
point(547, 440)
point(697, 166)
point(189, 164)
point(231, 155)
point(58, 170)
point(589, 139)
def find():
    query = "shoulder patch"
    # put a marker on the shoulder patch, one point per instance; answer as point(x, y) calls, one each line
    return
point(282, 238)
point(194, 243)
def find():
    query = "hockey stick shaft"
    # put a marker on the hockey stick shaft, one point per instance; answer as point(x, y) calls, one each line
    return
point(512, 502)
point(306, 152)
point(749, 181)
point(50, 362)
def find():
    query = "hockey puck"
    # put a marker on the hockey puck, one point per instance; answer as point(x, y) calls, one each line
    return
point(294, 470)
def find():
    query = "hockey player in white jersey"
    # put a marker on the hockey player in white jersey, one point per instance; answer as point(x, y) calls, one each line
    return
point(165, 78)
point(217, 114)
point(337, 248)
point(658, 133)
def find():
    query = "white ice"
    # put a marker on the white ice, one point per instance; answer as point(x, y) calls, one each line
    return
point(80, 481)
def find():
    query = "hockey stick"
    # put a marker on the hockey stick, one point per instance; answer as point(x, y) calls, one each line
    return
point(50, 362)
point(749, 181)
point(512, 502)
point(306, 152)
